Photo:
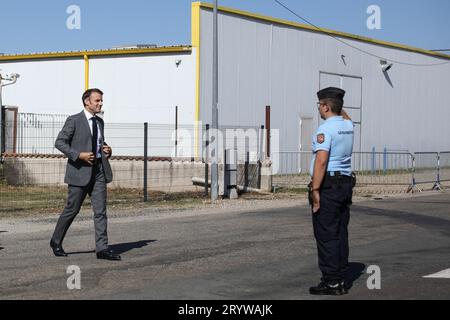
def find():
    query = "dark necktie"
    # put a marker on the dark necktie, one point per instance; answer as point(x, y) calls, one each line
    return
point(94, 136)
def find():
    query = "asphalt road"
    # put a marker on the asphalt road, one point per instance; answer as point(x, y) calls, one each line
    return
point(244, 254)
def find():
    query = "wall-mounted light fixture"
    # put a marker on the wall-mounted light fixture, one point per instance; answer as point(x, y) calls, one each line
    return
point(385, 66)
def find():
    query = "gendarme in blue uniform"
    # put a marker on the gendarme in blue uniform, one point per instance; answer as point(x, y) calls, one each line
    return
point(335, 136)
point(331, 219)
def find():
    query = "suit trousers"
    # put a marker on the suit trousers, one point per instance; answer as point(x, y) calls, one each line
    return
point(76, 195)
point(331, 228)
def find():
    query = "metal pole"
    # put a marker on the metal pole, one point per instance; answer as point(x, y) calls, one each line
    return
point(1, 121)
point(215, 114)
point(413, 185)
point(260, 155)
point(373, 160)
point(437, 184)
point(246, 165)
point(439, 170)
point(261, 145)
point(176, 131)
point(145, 160)
point(206, 160)
point(268, 131)
point(13, 80)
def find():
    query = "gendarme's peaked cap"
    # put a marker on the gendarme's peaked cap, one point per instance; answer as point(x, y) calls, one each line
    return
point(331, 93)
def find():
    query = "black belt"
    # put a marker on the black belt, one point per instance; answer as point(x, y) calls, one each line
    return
point(337, 176)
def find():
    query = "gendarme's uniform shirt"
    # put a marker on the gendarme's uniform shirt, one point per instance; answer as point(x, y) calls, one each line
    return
point(335, 135)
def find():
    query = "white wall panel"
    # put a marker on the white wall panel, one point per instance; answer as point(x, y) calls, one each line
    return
point(45, 86)
point(136, 88)
point(146, 88)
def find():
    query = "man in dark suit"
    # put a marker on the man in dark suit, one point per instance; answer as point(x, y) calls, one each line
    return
point(88, 171)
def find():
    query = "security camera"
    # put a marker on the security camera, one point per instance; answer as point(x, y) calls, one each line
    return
point(12, 78)
point(177, 62)
point(385, 66)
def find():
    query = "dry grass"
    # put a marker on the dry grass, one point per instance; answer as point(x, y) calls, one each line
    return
point(20, 200)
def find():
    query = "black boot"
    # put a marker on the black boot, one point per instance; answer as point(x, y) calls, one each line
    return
point(331, 289)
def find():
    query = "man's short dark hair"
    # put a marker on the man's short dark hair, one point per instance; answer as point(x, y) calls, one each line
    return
point(87, 94)
point(334, 104)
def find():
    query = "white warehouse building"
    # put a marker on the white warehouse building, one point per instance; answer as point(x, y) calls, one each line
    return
point(262, 62)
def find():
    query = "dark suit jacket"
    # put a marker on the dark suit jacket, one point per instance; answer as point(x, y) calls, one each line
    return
point(74, 138)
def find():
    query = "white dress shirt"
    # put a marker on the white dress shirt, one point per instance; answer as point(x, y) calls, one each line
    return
point(99, 135)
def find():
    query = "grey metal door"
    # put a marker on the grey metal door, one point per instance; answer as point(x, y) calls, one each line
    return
point(306, 133)
point(353, 99)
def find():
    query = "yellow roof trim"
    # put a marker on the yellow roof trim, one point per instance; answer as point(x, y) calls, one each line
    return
point(332, 32)
point(93, 53)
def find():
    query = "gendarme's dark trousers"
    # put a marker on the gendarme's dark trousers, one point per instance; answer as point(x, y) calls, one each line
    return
point(76, 195)
point(330, 227)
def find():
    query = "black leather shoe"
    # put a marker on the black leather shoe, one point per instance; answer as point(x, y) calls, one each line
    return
point(108, 254)
point(329, 289)
point(58, 250)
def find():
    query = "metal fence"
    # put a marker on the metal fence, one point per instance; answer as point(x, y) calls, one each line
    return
point(444, 165)
point(33, 133)
point(150, 162)
point(36, 134)
point(38, 137)
point(414, 172)
point(426, 166)
point(291, 169)
point(157, 161)
point(432, 169)
point(372, 168)
point(383, 168)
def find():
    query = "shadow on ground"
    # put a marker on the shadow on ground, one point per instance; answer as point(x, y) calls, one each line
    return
point(355, 270)
point(121, 247)
point(125, 247)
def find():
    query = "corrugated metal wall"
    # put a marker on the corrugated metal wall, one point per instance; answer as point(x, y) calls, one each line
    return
point(262, 63)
